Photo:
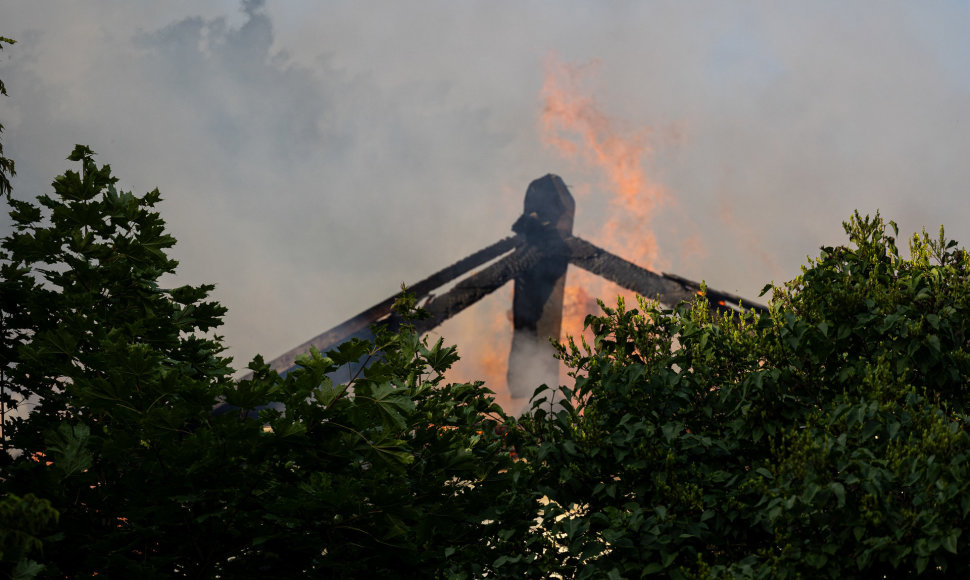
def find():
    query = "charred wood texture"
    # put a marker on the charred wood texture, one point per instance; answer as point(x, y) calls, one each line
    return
point(537, 259)
point(546, 223)
point(665, 288)
point(478, 285)
point(359, 326)
point(627, 274)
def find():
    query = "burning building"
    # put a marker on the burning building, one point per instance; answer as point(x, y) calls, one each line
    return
point(535, 259)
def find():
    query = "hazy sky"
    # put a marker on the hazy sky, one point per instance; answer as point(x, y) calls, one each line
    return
point(314, 155)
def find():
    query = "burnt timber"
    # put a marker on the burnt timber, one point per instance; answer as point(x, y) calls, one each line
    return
point(535, 258)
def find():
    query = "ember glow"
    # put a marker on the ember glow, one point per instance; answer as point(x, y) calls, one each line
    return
point(617, 157)
point(313, 156)
point(486, 331)
point(573, 124)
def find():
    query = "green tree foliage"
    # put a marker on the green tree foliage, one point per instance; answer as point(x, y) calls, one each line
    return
point(21, 518)
point(6, 164)
point(392, 472)
point(824, 439)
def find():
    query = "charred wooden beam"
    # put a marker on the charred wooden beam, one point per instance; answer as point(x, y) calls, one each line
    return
point(546, 223)
point(478, 285)
point(718, 299)
point(626, 274)
point(541, 251)
point(359, 326)
point(665, 288)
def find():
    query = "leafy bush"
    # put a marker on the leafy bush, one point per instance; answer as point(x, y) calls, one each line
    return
point(392, 472)
point(825, 438)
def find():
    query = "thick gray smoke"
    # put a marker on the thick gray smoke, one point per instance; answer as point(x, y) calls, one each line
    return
point(313, 156)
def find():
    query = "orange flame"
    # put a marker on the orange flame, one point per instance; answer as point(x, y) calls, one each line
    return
point(573, 124)
point(485, 339)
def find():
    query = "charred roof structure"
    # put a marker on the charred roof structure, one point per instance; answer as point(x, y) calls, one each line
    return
point(535, 258)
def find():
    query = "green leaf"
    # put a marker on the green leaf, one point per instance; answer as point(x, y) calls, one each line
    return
point(394, 402)
point(653, 568)
point(949, 541)
point(68, 449)
point(81, 153)
point(26, 570)
point(326, 394)
point(838, 490)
